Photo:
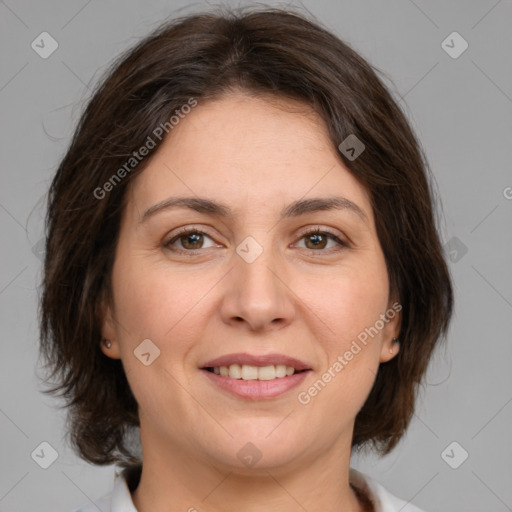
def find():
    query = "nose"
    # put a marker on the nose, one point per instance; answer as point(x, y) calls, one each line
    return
point(257, 295)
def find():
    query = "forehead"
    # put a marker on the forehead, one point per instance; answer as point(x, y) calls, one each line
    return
point(250, 151)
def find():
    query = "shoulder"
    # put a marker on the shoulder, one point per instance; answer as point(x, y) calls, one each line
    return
point(119, 499)
point(104, 504)
point(381, 498)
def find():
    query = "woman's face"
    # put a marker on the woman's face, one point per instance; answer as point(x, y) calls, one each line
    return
point(249, 290)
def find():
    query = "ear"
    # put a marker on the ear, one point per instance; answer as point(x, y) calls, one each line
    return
point(109, 343)
point(390, 332)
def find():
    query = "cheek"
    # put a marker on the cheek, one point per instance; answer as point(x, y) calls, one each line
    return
point(349, 302)
point(350, 305)
point(151, 304)
point(150, 301)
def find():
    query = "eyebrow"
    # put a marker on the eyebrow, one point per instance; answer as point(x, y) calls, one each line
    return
point(295, 209)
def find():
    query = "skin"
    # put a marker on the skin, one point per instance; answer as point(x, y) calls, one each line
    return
point(257, 155)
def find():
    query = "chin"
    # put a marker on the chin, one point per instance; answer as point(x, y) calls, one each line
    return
point(257, 444)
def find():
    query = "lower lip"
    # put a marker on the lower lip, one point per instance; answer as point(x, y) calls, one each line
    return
point(256, 389)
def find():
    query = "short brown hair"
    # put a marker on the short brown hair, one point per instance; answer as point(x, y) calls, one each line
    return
point(205, 56)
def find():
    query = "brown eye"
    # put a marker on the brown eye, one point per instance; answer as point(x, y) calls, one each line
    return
point(192, 240)
point(317, 240)
point(188, 241)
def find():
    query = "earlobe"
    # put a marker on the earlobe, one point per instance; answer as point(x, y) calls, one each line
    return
point(390, 342)
point(110, 349)
point(389, 350)
point(394, 341)
point(108, 345)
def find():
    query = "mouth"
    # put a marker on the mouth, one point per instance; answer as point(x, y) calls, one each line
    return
point(255, 377)
point(250, 372)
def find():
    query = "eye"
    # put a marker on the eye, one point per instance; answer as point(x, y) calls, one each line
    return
point(188, 240)
point(316, 239)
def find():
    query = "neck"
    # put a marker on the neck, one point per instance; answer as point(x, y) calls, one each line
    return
point(175, 480)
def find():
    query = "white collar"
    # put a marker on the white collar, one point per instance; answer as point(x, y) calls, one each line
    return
point(120, 500)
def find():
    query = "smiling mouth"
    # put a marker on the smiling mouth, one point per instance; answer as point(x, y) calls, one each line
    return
point(250, 372)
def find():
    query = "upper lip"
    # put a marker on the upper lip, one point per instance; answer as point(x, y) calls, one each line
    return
point(253, 360)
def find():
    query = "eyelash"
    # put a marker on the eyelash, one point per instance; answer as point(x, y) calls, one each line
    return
point(191, 252)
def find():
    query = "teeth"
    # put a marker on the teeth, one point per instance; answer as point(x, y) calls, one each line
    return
point(281, 370)
point(248, 372)
point(267, 373)
point(235, 372)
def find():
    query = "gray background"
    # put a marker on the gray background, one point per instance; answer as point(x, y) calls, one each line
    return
point(461, 110)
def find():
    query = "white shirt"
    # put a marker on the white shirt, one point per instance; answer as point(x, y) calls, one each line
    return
point(120, 500)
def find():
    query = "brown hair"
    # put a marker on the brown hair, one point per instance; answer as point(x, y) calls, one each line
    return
point(204, 56)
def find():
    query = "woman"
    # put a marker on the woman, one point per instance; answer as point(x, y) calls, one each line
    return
point(242, 265)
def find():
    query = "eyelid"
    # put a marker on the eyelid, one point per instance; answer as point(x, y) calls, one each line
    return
point(320, 229)
point(184, 229)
